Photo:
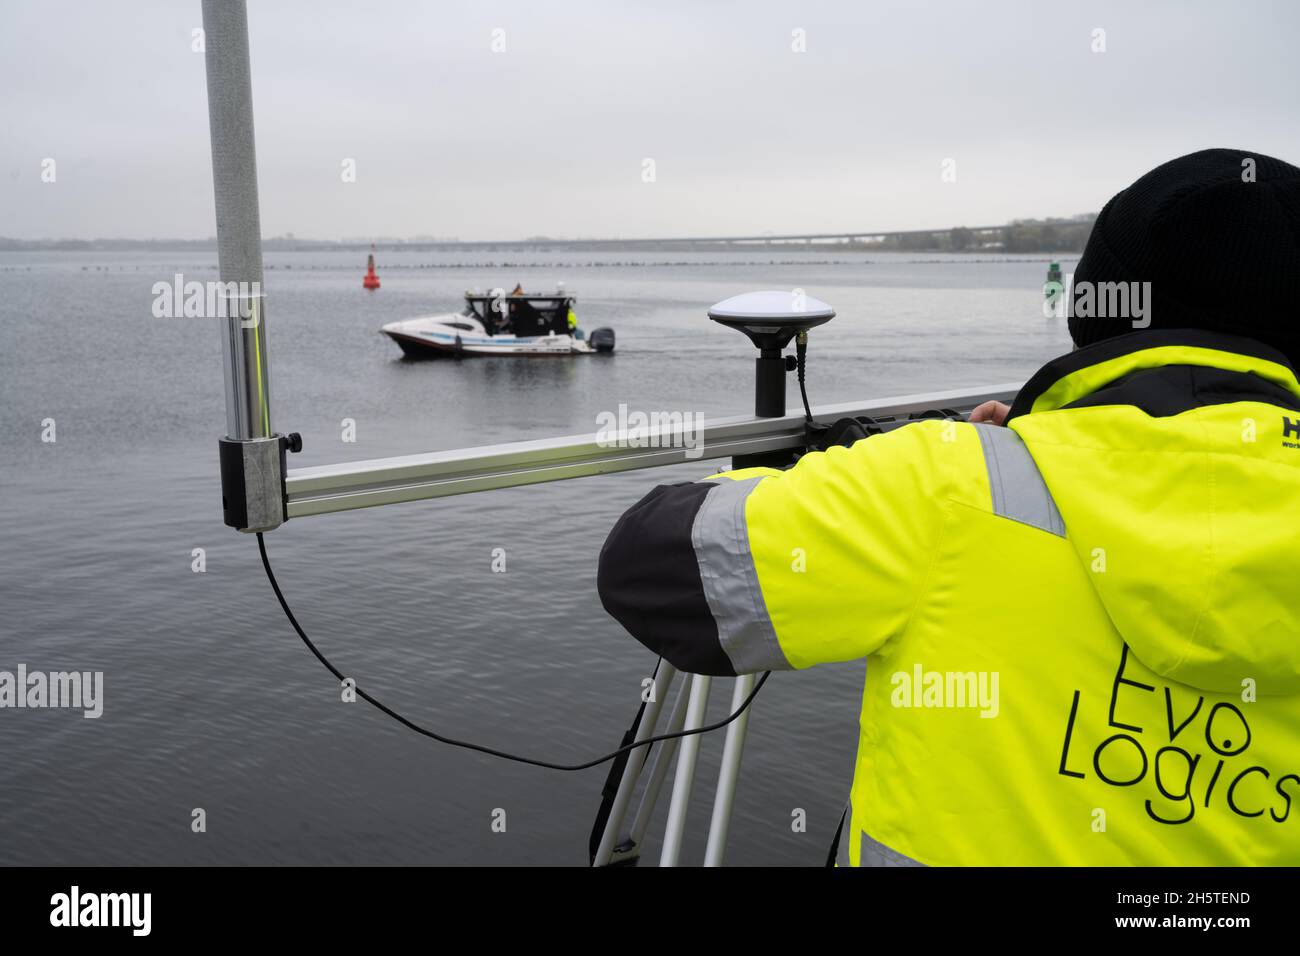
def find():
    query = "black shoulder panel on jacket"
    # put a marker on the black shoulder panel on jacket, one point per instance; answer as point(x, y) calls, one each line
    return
point(1174, 389)
point(649, 580)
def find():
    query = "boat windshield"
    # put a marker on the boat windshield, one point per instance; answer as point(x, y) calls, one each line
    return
point(521, 315)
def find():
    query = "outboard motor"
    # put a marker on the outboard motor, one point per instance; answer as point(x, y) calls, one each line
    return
point(602, 339)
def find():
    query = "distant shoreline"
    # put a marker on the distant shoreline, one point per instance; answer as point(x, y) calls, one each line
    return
point(970, 258)
point(1036, 236)
point(857, 251)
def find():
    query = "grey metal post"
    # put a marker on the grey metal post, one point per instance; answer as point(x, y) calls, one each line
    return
point(632, 769)
point(687, 755)
point(728, 774)
point(663, 759)
point(252, 455)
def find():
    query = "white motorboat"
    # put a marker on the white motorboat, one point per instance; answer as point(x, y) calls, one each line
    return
point(498, 323)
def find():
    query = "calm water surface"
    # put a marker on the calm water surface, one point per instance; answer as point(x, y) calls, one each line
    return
point(210, 699)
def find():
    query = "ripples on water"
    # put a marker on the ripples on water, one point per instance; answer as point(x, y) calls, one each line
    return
point(211, 701)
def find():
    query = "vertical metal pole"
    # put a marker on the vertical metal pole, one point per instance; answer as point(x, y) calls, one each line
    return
point(252, 456)
point(632, 769)
point(239, 230)
point(725, 797)
point(685, 779)
point(663, 760)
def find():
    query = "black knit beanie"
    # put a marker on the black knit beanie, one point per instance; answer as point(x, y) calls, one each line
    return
point(1217, 237)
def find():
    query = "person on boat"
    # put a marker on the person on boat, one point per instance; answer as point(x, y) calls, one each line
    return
point(518, 289)
point(573, 324)
point(1080, 613)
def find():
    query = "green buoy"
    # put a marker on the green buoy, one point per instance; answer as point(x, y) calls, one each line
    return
point(1054, 286)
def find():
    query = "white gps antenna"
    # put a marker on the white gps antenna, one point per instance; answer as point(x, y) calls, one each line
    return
point(771, 319)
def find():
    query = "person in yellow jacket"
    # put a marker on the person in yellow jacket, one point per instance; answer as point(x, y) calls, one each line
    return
point(1080, 614)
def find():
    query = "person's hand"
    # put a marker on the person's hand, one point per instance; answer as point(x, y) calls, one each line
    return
point(993, 412)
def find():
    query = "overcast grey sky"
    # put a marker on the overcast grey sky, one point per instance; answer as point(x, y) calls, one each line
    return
point(549, 136)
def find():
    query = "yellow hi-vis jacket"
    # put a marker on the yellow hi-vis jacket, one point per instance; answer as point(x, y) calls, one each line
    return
point(1082, 630)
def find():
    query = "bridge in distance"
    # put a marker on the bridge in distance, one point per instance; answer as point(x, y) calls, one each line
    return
point(978, 236)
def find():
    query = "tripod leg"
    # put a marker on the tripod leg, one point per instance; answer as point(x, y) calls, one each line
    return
point(635, 761)
point(729, 773)
point(663, 760)
point(685, 779)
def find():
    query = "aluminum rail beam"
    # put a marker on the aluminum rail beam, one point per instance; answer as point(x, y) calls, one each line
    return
point(326, 489)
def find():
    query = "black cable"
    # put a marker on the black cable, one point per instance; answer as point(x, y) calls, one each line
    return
point(801, 362)
point(266, 563)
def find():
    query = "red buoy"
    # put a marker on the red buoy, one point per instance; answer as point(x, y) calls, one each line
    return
point(371, 281)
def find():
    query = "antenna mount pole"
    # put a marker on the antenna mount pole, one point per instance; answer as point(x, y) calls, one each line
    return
point(252, 454)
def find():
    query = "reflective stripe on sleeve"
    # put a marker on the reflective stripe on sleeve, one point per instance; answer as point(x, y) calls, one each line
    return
point(721, 541)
